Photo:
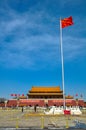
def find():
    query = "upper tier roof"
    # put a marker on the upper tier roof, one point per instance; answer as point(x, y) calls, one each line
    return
point(45, 89)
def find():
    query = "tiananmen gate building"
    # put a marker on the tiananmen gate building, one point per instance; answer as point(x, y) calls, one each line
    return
point(44, 96)
point(45, 92)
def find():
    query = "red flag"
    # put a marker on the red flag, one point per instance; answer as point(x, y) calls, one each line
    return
point(22, 94)
point(11, 94)
point(66, 22)
point(76, 95)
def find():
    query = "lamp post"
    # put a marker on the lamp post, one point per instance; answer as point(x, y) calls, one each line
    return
point(77, 100)
point(5, 103)
point(17, 101)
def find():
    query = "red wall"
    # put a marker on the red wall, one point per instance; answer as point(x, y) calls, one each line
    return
point(39, 102)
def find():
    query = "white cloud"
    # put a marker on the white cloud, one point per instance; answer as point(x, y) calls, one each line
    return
point(27, 41)
point(74, 47)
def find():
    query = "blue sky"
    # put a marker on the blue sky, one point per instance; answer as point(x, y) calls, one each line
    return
point(30, 45)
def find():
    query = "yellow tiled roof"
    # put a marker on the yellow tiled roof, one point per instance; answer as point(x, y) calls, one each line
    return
point(45, 89)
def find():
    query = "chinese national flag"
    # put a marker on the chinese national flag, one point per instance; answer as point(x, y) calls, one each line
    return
point(66, 22)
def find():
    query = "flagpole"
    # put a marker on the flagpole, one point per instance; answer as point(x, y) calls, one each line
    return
point(62, 60)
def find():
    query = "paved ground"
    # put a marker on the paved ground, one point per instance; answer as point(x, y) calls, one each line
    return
point(15, 118)
point(39, 129)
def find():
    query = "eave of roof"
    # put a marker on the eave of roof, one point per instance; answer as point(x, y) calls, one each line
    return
point(45, 94)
